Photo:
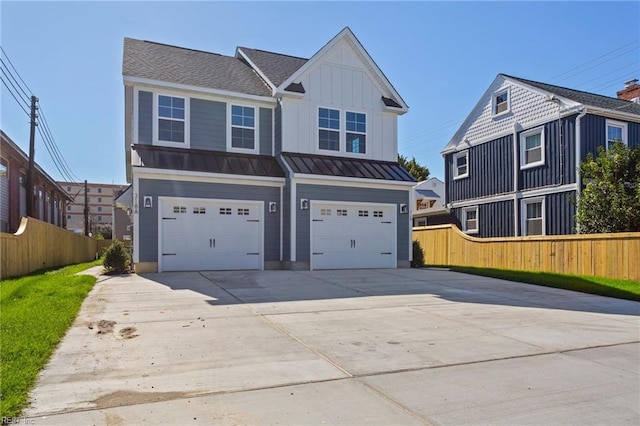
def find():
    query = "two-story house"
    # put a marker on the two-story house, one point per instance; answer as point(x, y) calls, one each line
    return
point(511, 169)
point(263, 160)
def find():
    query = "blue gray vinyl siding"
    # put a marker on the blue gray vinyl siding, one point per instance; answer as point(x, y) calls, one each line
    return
point(286, 221)
point(494, 219)
point(145, 118)
point(593, 134)
point(490, 171)
point(560, 212)
point(364, 195)
point(560, 165)
point(266, 131)
point(277, 131)
point(208, 125)
point(148, 220)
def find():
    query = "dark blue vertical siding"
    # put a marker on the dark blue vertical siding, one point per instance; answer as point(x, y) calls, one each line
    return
point(490, 171)
point(145, 118)
point(560, 165)
point(592, 133)
point(560, 212)
point(634, 134)
point(494, 219)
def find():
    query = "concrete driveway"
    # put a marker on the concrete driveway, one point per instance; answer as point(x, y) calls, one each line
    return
point(342, 347)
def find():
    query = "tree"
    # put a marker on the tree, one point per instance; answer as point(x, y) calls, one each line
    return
point(418, 171)
point(610, 201)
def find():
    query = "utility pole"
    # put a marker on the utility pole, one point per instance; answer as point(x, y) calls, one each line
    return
point(32, 153)
point(86, 209)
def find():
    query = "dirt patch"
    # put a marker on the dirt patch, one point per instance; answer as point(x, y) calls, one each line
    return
point(128, 333)
point(122, 398)
point(103, 326)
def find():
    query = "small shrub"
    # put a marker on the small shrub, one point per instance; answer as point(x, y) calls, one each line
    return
point(116, 258)
point(418, 255)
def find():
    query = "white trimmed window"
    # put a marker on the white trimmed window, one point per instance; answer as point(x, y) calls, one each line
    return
point(356, 132)
point(470, 220)
point(243, 128)
point(171, 119)
point(616, 132)
point(461, 165)
point(532, 148)
point(533, 217)
point(329, 129)
point(500, 102)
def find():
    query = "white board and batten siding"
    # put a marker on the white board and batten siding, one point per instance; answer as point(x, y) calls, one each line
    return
point(352, 235)
point(341, 81)
point(203, 234)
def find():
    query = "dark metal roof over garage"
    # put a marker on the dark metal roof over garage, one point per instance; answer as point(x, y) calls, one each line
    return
point(346, 167)
point(195, 160)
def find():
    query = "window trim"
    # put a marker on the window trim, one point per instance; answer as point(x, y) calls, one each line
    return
point(256, 127)
point(365, 134)
point(156, 118)
point(494, 104)
point(466, 210)
point(625, 132)
point(523, 215)
point(339, 130)
point(523, 148)
point(457, 155)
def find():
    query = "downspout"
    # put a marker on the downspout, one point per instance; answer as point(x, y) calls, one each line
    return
point(515, 179)
point(578, 161)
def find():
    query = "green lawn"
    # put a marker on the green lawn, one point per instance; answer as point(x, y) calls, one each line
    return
point(620, 289)
point(35, 312)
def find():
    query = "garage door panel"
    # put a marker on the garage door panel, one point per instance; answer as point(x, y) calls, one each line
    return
point(210, 235)
point(353, 236)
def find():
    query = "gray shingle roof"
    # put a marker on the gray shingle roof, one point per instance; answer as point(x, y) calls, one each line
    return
point(145, 59)
point(585, 98)
point(275, 66)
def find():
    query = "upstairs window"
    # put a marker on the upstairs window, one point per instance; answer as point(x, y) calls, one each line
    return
point(329, 129)
point(616, 132)
point(243, 125)
point(356, 132)
point(532, 148)
point(461, 165)
point(500, 103)
point(171, 119)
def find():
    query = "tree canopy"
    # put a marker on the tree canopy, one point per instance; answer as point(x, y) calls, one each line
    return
point(610, 201)
point(417, 170)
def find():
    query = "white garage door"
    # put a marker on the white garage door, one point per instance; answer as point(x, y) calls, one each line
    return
point(198, 234)
point(352, 236)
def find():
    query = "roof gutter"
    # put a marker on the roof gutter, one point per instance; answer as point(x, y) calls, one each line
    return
point(620, 115)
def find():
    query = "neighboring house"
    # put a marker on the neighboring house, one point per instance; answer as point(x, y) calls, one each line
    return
point(512, 167)
point(428, 206)
point(100, 200)
point(264, 160)
point(122, 214)
point(49, 199)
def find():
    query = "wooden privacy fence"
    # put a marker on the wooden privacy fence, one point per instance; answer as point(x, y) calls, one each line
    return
point(37, 245)
point(604, 255)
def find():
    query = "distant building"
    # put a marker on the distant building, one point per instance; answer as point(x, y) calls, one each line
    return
point(122, 211)
point(100, 197)
point(49, 199)
point(428, 207)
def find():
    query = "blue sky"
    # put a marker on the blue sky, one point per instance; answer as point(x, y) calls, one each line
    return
point(440, 56)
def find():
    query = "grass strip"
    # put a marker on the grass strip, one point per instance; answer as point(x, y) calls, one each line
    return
point(35, 312)
point(620, 289)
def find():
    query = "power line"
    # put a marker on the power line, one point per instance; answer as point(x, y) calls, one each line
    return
point(16, 71)
point(55, 145)
point(14, 97)
point(51, 154)
point(13, 77)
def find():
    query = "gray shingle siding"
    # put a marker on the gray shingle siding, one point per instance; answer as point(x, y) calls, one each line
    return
point(266, 131)
point(490, 171)
point(364, 195)
point(148, 231)
point(208, 125)
point(559, 169)
point(145, 118)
